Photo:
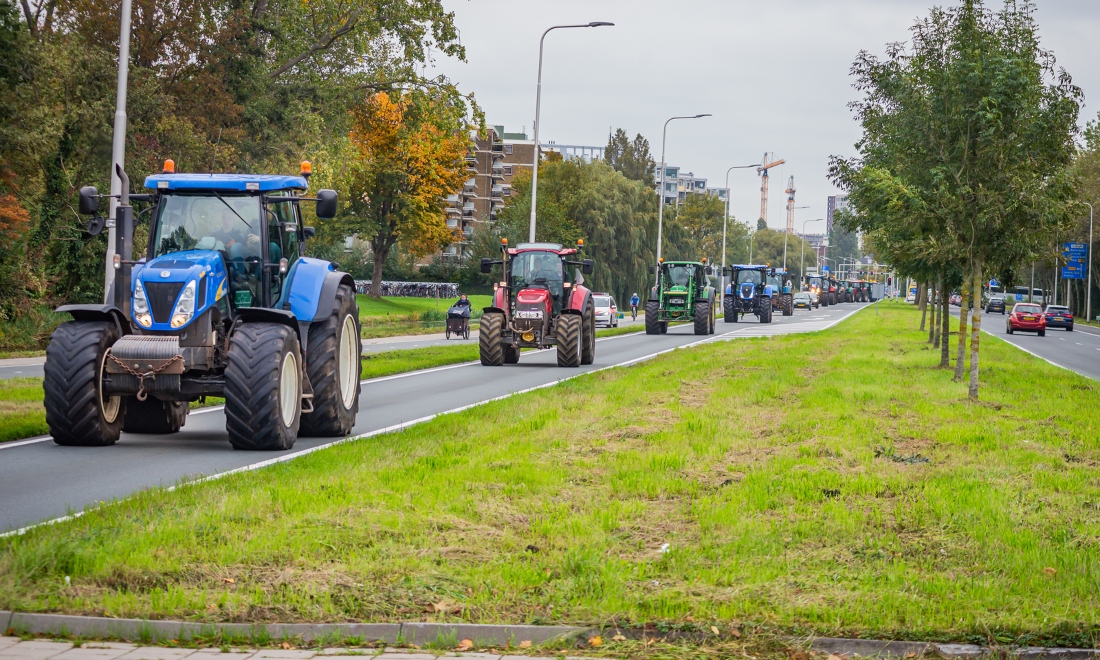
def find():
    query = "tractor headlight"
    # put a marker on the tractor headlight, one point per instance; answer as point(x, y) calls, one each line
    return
point(141, 306)
point(185, 308)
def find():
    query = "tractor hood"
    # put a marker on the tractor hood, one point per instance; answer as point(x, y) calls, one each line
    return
point(746, 290)
point(169, 292)
point(677, 289)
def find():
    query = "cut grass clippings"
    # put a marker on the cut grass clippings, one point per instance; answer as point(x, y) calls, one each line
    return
point(750, 481)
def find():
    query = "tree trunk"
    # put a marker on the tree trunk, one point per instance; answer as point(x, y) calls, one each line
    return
point(945, 330)
point(934, 328)
point(376, 277)
point(975, 333)
point(922, 302)
point(960, 359)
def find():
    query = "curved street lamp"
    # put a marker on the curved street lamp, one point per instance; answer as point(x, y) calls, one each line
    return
point(725, 222)
point(661, 200)
point(538, 106)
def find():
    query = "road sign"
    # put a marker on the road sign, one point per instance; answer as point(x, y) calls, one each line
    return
point(992, 282)
point(825, 269)
point(1076, 256)
point(1075, 249)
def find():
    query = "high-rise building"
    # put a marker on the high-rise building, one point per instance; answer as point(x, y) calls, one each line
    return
point(836, 203)
point(678, 185)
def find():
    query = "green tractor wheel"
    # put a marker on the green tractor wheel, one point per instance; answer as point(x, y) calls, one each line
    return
point(652, 322)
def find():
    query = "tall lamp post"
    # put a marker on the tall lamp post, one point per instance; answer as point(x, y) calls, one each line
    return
point(538, 105)
point(118, 146)
point(785, 235)
point(802, 262)
point(661, 201)
point(725, 222)
point(1088, 282)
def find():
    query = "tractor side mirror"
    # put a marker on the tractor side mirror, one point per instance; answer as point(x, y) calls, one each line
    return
point(587, 266)
point(96, 225)
point(309, 232)
point(652, 270)
point(89, 200)
point(710, 270)
point(486, 265)
point(326, 204)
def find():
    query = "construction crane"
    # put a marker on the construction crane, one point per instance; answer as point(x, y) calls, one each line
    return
point(763, 172)
point(790, 206)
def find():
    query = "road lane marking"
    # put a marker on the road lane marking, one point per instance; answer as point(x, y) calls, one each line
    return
point(394, 428)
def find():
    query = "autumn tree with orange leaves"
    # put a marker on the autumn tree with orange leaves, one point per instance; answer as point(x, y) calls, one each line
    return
point(406, 156)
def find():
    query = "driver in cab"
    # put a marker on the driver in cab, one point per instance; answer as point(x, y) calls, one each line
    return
point(240, 240)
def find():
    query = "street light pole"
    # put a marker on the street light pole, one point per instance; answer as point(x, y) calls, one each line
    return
point(538, 106)
point(725, 222)
point(1088, 282)
point(118, 147)
point(785, 235)
point(661, 200)
point(802, 262)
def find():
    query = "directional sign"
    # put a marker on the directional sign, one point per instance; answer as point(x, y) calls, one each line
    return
point(992, 282)
point(1075, 249)
point(1076, 256)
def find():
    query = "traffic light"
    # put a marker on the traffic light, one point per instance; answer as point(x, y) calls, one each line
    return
point(889, 281)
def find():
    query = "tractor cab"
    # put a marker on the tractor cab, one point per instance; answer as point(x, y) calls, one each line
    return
point(747, 282)
point(749, 292)
point(680, 283)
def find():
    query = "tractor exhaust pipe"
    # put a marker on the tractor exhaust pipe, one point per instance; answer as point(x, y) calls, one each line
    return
point(124, 245)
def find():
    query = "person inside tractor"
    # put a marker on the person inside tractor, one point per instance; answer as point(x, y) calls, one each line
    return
point(533, 270)
point(679, 275)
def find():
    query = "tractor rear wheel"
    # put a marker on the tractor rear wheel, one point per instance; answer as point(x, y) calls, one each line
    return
point(588, 334)
point(489, 343)
point(333, 365)
point(77, 414)
point(154, 416)
point(702, 317)
point(766, 316)
point(511, 354)
point(729, 309)
point(787, 304)
point(569, 340)
point(263, 387)
point(652, 323)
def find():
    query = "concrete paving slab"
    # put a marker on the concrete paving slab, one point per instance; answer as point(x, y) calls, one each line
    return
point(157, 653)
point(215, 654)
point(284, 654)
point(109, 645)
point(8, 641)
point(86, 653)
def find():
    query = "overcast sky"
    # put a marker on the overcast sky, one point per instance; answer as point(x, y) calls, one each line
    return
point(775, 75)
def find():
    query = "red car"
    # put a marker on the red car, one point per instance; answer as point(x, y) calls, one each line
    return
point(1027, 317)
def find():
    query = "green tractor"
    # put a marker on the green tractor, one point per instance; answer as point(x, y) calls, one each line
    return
point(683, 293)
point(783, 298)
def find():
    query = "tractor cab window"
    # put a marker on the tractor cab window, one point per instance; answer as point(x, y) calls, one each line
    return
point(229, 224)
point(749, 276)
point(538, 270)
point(282, 231)
point(678, 275)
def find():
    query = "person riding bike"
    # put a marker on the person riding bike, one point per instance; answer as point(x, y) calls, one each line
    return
point(634, 301)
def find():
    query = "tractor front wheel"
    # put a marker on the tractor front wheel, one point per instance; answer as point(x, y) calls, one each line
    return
point(333, 364)
point(702, 317)
point(263, 387)
point(154, 416)
point(787, 304)
point(489, 341)
point(511, 354)
point(588, 334)
point(569, 330)
point(766, 315)
point(729, 309)
point(652, 323)
point(77, 413)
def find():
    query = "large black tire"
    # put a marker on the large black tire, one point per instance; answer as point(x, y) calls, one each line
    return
point(569, 329)
point(766, 317)
point(76, 413)
point(154, 416)
point(729, 309)
point(490, 346)
point(822, 299)
point(263, 387)
point(1042, 333)
point(702, 317)
point(334, 365)
point(652, 323)
point(511, 354)
point(664, 327)
point(588, 334)
point(787, 304)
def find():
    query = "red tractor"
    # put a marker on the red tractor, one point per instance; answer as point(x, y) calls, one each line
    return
point(539, 304)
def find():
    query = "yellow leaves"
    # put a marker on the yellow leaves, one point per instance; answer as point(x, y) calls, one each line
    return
point(525, 644)
point(1050, 572)
point(465, 645)
point(229, 580)
point(595, 641)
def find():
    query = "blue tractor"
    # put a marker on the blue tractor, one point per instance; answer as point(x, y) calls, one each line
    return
point(748, 293)
point(222, 304)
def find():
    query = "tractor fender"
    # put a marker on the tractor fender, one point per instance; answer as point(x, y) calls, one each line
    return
point(266, 315)
point(108, 313)
point(311, 289)
point(578, 299)
point(499, 301)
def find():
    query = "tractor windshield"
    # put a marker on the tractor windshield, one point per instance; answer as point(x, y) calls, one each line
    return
point(678, 275)
point(537, 270)
point(749, 276)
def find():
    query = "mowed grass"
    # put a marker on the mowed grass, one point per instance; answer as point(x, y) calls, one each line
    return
point(403, 307)
point(21, 411)
point(835, 483)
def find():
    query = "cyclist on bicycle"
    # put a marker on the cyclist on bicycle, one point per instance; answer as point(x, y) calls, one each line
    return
point(634, 300)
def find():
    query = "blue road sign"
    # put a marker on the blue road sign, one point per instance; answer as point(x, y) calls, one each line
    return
point(992, 282)
point(1076, 255)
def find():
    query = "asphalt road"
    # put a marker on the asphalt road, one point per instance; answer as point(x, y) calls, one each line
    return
point(22, 368)
point(1078, 351)
point(40, 481)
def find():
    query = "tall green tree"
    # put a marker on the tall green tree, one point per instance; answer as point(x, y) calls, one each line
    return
point(967, 135)
point(631, 158)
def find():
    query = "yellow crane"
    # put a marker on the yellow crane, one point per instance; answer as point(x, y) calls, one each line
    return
point(790, 206)
point(763, 171)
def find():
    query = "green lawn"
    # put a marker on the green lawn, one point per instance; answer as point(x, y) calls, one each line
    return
point(21, 411)
point(405, 307)
point(834, 483)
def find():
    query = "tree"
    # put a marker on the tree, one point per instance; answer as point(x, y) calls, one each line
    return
point(406, 156)
point(701, 217)
point(761, 224)
point(632, 159)
point(966, 139)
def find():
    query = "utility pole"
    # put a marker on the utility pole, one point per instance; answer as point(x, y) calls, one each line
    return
point(661, 198)
point(118, 147)
point(1088, 280)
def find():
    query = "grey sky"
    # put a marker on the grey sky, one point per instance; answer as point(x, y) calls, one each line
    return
point(774, 74)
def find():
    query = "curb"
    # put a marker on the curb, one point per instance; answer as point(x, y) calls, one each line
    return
point(894, 649)
point(389, 633)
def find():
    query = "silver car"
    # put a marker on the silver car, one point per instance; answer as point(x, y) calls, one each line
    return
point(607, 312)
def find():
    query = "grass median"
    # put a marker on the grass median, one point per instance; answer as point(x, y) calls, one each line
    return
point(835, 483)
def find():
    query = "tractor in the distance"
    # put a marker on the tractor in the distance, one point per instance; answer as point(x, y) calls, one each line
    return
point(819, 286)
point(683, 293)
point(539, 303)
point(748, 293)
point(783, 298)
point(221, 304)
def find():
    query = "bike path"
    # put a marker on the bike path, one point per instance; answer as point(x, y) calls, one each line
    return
point(40, 480)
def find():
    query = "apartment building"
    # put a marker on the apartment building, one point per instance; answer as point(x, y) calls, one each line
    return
point(835, 203)
point(678, 185)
